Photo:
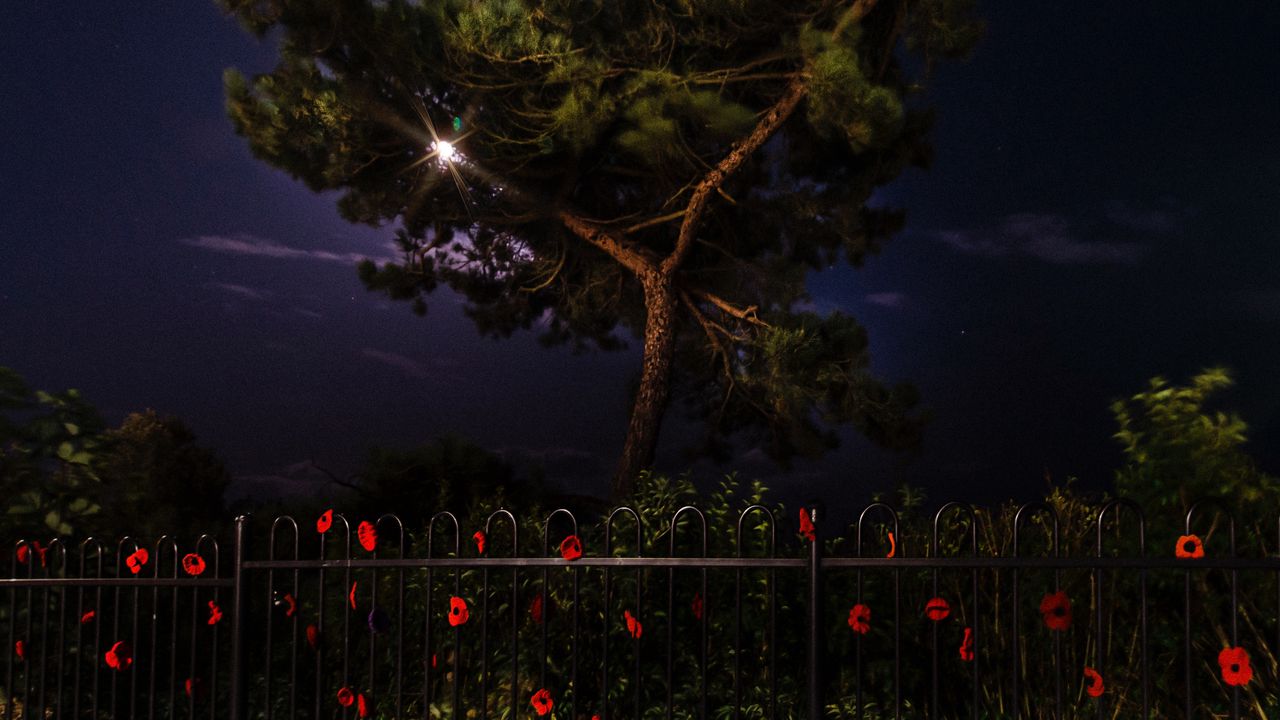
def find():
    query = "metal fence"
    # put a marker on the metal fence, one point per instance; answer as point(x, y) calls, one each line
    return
point(753, 619)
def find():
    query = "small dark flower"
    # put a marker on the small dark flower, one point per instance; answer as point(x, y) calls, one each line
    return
point(20, 649)
point(860, 619)
point(346, 697)
point(313, 637)
point(696, 605)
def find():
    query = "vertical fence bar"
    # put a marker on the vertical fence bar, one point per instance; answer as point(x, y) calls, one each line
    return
point(238, 701)
point(814, 664)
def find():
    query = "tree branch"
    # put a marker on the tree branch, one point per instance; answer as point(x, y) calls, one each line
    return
point(637, 259)
point(747, 314)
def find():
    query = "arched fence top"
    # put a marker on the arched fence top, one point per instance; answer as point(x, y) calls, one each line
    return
point(964, 509)
point(1025, 511)
point(1221, 508)
point(862, 521)
point(546, 526)
point(443, 515)
point(772, 522)
point(346, 535)
point(504, 514)
point(608, 529)
point(675, 521)
point(397, 525)
point(1133, 507)
point(163, 542)
point(288, 523)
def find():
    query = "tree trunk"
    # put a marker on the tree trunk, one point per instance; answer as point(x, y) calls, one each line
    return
point(655, 379)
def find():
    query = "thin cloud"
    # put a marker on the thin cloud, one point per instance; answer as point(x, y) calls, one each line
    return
point(1044, 237)
point(249, 245)
point(409, 366)
point(887, 299)
point(241, 290)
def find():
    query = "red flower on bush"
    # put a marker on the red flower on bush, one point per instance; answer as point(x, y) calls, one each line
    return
point(137, 560)
point(88, 617)
point(479, 538)
point(542, 702)
point(1093, 682)
point(351, 596)
point(120, 656)
point(806, 526)
point(1189, 546)
point(346, 697)
point(20, 649)
point(458, 613)
point(535, 609)
point(696, 605)
point(571, 548)
point(362, 706)
point(966, 645)
point(860, 619)
point(193, 564)
point(937, 609)
point(313, 636)
point(1056, 610)
point(1234, 662)
point(324, 522)
point(215, 613)
point(368, 535)
point(633, 625)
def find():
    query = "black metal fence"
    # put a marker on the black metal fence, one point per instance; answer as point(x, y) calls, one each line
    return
point(952, 619)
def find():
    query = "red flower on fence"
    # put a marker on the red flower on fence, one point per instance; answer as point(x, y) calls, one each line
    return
point(1188, 547)
point(368, 536)
point(571, 548)
point(966, 645)
point(806, 526)
point(215, 613)
point(24, 553)
point(479, 538)
point(88, 617)
point(1056, 609)
point(193, 687)
point(542, 702)
point(324, 522)
point(290, 605)
point(633, 625)
point(696, 605)
point(137, 560)
point(893, 546)
point(535, 609)
point(20, 649)
point(860, 619)
point(458, 613)
point(362, 706)
point(193, 564)
point(1234, 662)
point(120, 656)
point(313, 636)
point(1093, 682)
point(346, 697)
point(937, 609)
point(351, 596)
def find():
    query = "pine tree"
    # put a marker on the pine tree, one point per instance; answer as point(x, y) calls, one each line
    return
point(668, 169)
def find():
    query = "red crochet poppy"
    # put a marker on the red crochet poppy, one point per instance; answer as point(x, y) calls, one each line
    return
point(893, 546)
point(1056, 609)
point(137, 560)
point(535, 609)
point(120, 656)
point(362, 706)
point(458, 612)
point(88, 617)
point(433, 659)
point(479, 538)
point(20, 649)
point(346, 697)
point(313, 636)
point(290, 605)
point(542, 702)
point(571, 548)
point(1234, 662)
point(193, 564)
point(1189, 546)
point(860, 619)
point(1093, 682)
point(633, 625)
point(696, 605)
point(966, 645)
point(215, 613)
point(351, 596)
point(806, 526)
point(368, 535)
point(24, 553)
point(193, 687)
point(324, 522)
point(937, 609)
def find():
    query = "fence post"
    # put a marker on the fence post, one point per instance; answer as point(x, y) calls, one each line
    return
point(816, 635)
point(239, 696)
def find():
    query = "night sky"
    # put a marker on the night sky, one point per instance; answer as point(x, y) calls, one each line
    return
point(1104, 207)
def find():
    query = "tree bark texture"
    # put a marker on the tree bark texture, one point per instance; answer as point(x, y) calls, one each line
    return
point(650, 404)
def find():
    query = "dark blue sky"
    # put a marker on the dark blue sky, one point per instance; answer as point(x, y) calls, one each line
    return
point(1104, 207)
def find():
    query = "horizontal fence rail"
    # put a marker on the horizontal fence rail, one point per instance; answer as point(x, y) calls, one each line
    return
point(969, 613)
